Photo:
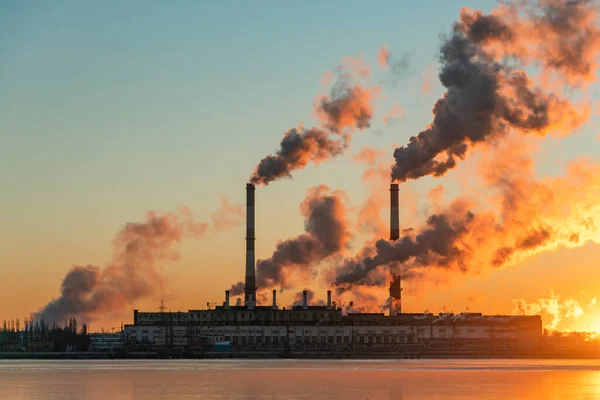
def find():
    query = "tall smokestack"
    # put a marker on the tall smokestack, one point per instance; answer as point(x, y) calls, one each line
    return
point(226, 299)
point(329, 299)
point(395, 285)
point(250, 286)
point(274, 299)
point(394, 214)
point(305, 299)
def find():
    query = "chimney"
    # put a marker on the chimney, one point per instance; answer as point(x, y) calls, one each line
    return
point(329, 299)
point(274, 299)
point(395, 295)
point(305, 299)
point(226, 299)
point(250, 286)
point(394, 215)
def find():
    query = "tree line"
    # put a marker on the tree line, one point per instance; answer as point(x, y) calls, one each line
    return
point(39, 335)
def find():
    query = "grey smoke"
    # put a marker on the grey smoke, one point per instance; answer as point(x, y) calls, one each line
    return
point(486, 97)
point(326, 234)
point(297, 148)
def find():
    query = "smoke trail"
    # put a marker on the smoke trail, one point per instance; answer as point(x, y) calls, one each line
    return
point(88, 291)
point(326, 234)
point(488, 96)
point(347, 108)
point(297, 148)
point(534, 216)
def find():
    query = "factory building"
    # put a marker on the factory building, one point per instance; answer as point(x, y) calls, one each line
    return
point(305, 328)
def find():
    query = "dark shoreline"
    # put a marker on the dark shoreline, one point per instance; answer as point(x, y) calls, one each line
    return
point(259, 355)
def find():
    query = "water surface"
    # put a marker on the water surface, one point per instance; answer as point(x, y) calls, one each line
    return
point(299, 379)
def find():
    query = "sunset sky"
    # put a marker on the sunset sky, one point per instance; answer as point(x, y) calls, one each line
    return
point(111, 109)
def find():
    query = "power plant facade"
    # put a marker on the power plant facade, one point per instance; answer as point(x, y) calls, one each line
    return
point(311, 330)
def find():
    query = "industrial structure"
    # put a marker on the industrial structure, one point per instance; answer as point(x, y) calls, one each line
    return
point(325, 330)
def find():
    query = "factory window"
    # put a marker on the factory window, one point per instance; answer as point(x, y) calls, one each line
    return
point(227, 338)
point(283, 339)
point(470, 330)
point(361, 339)
point(377, 339)
point(244, 340)
point(346, 339)
point(145, 332)
point(235, 340)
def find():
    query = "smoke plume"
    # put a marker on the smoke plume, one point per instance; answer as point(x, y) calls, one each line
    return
point(569, 308)
point(139, 248)
point(326, 234)
point(530, 216)
point(347, 108)
point(488, 92)
point(297, 148)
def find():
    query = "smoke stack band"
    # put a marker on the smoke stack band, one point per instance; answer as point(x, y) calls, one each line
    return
point(394, 213)
point(250, 284)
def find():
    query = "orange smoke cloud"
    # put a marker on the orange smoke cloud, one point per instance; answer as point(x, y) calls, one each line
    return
point(327, 234)
point(562, 37)
point(88, 291)
point(487, 97)
point(557, 309)
point(530, 216)
point(383, 57)
point(376, 179)
point(348, 107)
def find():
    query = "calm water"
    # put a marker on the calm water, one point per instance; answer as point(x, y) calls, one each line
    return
point(293, 379)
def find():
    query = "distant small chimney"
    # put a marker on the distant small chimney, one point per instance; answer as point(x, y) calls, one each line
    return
point(305, 299)
point(227, 299)
point(274, 299)
point(329, 299)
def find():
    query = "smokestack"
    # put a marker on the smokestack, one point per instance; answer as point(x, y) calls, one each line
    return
point(227, 299)
point(274, 299)
point(329, 299)
point(395, 295)
point(250, 286)
point(394, 215)
point(305, 299)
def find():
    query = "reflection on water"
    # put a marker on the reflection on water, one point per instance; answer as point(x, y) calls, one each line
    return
point(294, 379)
